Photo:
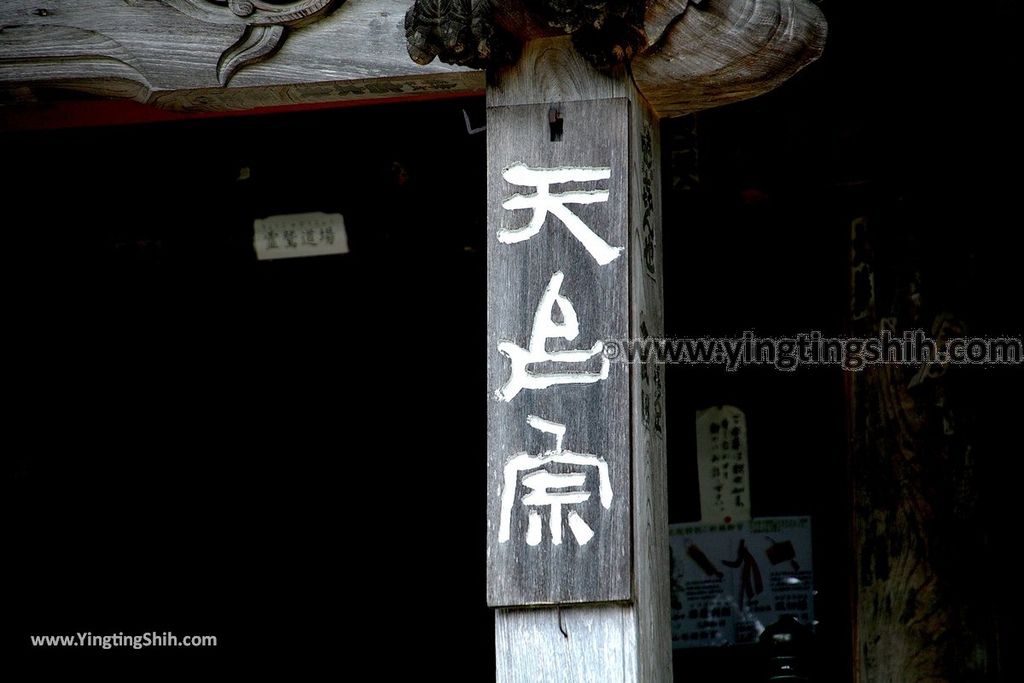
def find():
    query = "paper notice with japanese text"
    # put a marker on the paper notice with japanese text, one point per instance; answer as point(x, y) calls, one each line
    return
point(722, 467)
point(299, 234)
point(731, 581)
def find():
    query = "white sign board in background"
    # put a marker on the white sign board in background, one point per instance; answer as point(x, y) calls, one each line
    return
point(731, 581)
point(299, 234)
point(722, 467)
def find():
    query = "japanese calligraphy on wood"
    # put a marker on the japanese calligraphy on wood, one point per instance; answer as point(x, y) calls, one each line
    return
point(651, 599)
point(559, 484)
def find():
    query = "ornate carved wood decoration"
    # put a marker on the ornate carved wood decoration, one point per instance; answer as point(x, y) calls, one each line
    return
point(182, 53)
point(686, 54)
point(265, 25)
point(479, 33)
point(459, 32)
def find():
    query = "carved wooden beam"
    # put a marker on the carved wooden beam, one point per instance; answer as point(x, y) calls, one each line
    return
point(215, 54)
point(485, 33)
point(224, 54)
point(687, 55)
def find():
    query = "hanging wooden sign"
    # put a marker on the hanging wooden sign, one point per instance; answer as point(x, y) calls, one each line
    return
point(559, 412)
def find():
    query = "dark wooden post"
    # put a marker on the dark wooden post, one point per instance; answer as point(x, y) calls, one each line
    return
point(581, 586)
point(923, 588)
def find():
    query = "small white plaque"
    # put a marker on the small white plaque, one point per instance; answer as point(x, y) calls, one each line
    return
point(722, 467)
point(299, 234)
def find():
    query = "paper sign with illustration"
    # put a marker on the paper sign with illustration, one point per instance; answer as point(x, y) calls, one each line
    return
point(731, 581)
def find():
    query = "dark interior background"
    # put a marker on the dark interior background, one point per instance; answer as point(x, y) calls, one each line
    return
point(210, 444)
point(202, 443)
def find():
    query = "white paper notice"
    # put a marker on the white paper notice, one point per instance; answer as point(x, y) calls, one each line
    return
point(722, 468)
point(299, 234)
point(732, 581)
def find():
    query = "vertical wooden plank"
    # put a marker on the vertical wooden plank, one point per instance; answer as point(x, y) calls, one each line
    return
point(550, 71)
point(533, 557)
point(651, 606)
point(621, 631)
point(600, 644)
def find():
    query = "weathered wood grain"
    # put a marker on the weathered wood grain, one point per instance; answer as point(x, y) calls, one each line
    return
point(629, 641)
point(89, 62)
point(192, 54)
point(728, 50)
point(359, 90)
point(596, 415)
point(254, 12)
point(151, 51)
point(651, 605)
point(551, 70)
point(599, 644)
point(660, 14)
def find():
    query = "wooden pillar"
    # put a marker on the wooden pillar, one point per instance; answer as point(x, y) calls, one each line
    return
point(926, 572)
point(574, 259)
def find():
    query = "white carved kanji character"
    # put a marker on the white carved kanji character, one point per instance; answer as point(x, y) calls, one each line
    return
point(544, 202)
point(551, 489)
point(544, 328)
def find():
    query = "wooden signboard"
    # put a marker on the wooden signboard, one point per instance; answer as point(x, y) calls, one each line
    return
point(569, 434)
point(558, 414)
